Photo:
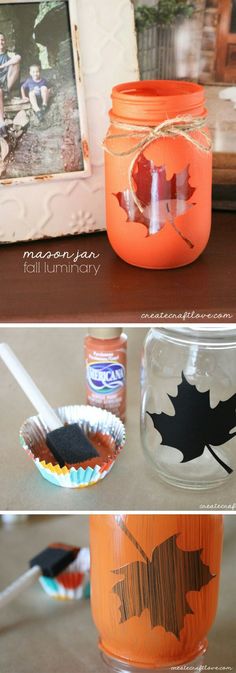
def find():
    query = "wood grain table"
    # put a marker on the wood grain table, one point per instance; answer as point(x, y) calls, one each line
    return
point(106, 289)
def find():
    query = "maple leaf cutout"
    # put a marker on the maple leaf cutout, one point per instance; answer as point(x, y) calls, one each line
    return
point(161, 583)
point(163, 200)
point(196, 426)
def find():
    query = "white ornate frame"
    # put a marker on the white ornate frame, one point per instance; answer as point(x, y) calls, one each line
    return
point(58, 207)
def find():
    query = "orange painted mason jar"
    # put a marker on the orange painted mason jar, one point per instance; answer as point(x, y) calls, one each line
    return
point(158, 168)
point(154, 582)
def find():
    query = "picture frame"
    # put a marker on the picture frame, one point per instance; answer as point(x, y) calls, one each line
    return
point(73, 120)
point(52, 207)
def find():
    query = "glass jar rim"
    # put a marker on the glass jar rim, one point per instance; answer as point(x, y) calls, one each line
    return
point(201, 333)
point(151, 101)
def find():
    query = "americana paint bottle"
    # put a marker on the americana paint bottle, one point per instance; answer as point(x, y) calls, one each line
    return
point(105, 358)
point(158, 168)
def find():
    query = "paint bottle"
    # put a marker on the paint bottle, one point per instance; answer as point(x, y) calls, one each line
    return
point(105, 358)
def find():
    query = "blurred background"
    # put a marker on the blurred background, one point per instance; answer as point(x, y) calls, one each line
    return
point(194, 40)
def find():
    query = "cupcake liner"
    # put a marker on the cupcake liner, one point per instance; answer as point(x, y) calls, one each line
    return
point(73, 583)
point(56, 590)
point(90, 419)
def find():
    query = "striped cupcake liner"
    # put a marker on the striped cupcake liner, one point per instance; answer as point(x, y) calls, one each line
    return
point(90, 419)
point(73, 583)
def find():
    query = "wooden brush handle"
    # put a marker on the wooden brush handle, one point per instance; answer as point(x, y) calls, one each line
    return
point(18, 586)
point(30, 389)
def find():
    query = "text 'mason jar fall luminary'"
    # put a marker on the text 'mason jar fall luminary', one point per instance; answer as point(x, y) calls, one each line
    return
point(154, 587)
point(188, 409)
point(158, 168)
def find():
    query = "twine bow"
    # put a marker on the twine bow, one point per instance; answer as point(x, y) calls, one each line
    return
point(178, 126)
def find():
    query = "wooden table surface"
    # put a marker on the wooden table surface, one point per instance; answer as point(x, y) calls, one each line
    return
point(118, 292)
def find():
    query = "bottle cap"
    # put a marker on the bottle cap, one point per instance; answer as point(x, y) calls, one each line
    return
point(105, 332)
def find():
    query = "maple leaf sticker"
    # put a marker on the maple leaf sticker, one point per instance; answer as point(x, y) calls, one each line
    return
point(161, 583)
point(196, 426)
point(162, 200)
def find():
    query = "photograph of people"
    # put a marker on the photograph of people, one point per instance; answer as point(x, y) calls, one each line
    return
point(35, 89)
point(40, 126)
point(9, 74)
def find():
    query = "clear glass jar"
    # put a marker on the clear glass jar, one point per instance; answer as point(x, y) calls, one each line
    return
point(188, 417)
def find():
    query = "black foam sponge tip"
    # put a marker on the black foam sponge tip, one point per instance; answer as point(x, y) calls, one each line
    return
point(70, 445)
point(54, 559)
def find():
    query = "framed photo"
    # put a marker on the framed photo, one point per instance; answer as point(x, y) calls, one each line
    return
point(43, 127)
point(83, 48)
point(196, 40)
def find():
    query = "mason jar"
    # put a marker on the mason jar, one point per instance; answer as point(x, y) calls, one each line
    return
point(188, 419)
point(154, 587)
point(158, 169)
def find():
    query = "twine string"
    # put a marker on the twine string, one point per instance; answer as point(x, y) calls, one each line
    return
point(177, 126)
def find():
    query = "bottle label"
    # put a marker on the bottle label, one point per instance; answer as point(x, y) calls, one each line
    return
point(105, 377)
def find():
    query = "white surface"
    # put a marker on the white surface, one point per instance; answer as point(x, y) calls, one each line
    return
point(71, 206)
